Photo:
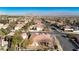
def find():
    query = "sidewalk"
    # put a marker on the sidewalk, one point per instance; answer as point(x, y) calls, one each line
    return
point(58, 44)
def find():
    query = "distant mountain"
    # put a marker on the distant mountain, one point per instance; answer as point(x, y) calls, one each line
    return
point(45, 14)
point(55, 14)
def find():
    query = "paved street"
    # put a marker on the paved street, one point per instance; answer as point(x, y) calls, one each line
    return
point(65, 43)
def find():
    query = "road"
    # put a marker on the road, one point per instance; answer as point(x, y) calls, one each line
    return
point(65, 43)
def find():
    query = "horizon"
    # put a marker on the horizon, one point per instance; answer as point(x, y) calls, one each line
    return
point(39, 10)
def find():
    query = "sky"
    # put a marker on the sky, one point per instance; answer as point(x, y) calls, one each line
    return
point(39, 10)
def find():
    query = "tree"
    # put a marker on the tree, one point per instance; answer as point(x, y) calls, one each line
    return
point(16, 39)
point(26, 42)
point(1, 33)
point(4, 31)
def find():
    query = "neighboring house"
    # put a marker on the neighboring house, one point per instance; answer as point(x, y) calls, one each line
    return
point(1, 25)
point(19, 26)
point(37, 27)
point(32, 28)
point(26, 21)
point(52, 22)
point(12, 19)
point(68, 29)
point(5, 26)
